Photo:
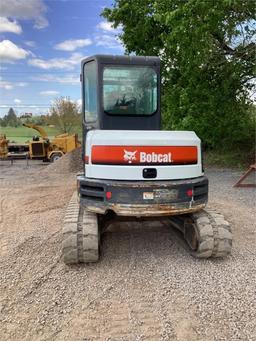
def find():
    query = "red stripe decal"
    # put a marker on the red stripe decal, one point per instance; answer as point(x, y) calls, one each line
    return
point(144, 155)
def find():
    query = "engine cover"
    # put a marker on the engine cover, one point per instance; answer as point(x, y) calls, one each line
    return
point(142, 155)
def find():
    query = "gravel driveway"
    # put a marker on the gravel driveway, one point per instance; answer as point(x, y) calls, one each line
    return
point(145, 287)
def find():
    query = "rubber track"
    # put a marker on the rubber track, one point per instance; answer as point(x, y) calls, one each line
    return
point(214, 234)
point(80, 234)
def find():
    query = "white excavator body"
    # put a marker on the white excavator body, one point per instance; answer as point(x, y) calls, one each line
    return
point(123, 154)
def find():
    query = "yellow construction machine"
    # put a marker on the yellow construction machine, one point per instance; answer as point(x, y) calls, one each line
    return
point(41, 147)
point(3, 146)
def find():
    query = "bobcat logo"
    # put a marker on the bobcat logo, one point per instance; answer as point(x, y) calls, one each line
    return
point(129, 156)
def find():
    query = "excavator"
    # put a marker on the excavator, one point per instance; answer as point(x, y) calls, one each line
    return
point(133, 170)
point(41, 147)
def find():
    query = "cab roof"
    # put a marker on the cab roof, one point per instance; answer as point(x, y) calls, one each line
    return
point(121, 59)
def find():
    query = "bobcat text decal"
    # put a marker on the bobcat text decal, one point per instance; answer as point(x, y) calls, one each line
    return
point(130, 156)
point(155, 158)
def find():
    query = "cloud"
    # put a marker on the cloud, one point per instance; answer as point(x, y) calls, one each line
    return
point(72, 79)
point(107, 36)
point(9, 85)
point(106, 26)
point(57, 63)
point(22, 84)
point(9, 26)
point(30, 43)
point(40, 23)
point(10, 52)
point(49, 93)
point(26, 9)
point(6, 85)
point(72, 44)
point(108, 41)
point(17, 101)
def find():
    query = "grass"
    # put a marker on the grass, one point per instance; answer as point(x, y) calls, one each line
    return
point(229, 159)
point(22, 134)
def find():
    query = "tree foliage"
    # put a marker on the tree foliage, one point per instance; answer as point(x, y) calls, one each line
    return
point(208, 56)
point(64, 114)
point(10, 119)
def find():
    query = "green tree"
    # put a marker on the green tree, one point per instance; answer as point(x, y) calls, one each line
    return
point(208, 55)
point(64, 114)
point(10, 119)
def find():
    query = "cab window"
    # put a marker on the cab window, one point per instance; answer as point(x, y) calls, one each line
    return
point(129, 90)
point(90, 92)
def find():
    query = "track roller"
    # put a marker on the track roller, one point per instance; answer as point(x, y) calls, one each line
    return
point(207, 233)
point(80, 234)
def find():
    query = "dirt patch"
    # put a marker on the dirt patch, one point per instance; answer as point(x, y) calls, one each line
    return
point(69, 163)
point(146, 286)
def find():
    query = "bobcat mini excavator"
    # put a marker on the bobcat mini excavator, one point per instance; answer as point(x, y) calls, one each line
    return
point(132, 169)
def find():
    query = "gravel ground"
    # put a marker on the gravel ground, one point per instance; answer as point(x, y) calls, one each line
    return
point(145, 287)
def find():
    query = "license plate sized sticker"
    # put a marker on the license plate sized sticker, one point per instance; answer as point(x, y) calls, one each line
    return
point(148, 195)
point(166, 194)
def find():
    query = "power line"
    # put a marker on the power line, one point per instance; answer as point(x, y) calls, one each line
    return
point(31, 106)
point(45, 72)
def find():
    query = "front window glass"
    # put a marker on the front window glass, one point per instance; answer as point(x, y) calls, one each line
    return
point(129, 90)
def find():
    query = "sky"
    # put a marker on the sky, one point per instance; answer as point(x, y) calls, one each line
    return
point(42, 43)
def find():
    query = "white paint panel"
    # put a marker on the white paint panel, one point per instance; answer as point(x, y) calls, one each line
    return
point(135, 172)
point(143, 138)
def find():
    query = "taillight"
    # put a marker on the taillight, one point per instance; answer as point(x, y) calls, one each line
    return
point(108, 195)
point(189, 192)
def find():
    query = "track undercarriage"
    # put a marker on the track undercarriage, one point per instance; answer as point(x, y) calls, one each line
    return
point(206, 233)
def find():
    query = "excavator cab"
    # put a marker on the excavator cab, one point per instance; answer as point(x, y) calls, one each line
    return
point(121, 92)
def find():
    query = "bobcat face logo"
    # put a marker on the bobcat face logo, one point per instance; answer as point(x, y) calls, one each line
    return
point(129, 156)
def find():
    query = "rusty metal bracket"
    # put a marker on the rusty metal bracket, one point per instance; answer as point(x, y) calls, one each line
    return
point(246, 174)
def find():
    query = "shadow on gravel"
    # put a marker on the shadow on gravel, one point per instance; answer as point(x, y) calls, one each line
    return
point(140, 240)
